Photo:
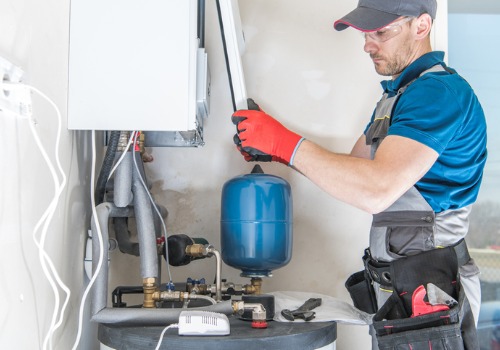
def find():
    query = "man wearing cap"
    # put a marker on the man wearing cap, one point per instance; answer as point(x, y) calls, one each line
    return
point(422, 152)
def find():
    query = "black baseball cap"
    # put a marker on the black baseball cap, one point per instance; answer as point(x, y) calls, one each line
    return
point(373, 15)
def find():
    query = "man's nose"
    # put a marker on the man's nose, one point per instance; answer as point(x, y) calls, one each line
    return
point(370, 45)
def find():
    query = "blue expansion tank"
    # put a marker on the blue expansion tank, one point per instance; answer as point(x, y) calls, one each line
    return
point(256, 223)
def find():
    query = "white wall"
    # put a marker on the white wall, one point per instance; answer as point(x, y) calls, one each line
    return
point(317, 81)
point(34, 36)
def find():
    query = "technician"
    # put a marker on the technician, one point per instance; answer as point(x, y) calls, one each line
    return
point(423, 151)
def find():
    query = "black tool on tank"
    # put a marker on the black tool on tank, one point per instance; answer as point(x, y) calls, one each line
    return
point(304, 311)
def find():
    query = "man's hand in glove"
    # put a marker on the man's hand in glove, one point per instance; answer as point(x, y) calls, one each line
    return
point(262, 138)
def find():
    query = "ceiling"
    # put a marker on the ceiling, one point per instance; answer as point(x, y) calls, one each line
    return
point(474, 6)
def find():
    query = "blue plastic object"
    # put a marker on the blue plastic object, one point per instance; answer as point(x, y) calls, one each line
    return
point(256, 223)
point(170, 286)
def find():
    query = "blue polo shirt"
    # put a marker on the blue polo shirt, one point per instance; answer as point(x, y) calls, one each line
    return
point(440, 110)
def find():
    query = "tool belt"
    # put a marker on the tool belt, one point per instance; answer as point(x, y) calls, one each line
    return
point(380, 272)
point(444, 330)
point(393, 321)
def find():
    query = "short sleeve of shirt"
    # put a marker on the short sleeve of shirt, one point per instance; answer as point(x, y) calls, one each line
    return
point(428, 112)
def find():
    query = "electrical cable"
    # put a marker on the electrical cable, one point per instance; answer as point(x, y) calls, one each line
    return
point(107, 163)
point(154, 206)
point(101, 246)
point(46, 218)
point(173, 325)
point(56, 321)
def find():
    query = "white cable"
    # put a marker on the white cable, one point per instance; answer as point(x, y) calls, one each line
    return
point(54, 324)
point(101, 245)
point(154, 206)
point(130, 140)
point(47, 216)
point(173, 325)
point(45, 220)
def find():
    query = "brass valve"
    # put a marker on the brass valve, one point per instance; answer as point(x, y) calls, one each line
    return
point(255, 286)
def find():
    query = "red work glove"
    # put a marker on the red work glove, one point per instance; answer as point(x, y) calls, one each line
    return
point(262, 138)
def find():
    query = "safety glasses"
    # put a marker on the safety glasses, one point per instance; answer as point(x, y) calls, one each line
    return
point(387, 32)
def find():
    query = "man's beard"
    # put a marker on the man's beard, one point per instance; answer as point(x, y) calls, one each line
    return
point(396, 64)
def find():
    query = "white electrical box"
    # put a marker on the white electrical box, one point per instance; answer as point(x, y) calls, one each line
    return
point(133, 65)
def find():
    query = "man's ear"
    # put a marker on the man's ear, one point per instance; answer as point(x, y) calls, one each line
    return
point(423, 25)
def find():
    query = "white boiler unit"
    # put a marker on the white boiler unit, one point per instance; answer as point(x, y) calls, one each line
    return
point(137, 65)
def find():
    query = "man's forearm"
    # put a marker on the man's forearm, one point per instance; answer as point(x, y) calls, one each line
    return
point(370, 185)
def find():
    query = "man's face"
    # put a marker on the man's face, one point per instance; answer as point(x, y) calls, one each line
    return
point(393, 55)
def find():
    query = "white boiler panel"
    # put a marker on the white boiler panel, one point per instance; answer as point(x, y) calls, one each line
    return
point(132, 65)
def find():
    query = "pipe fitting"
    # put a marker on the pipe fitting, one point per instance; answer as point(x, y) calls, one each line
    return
point(123, 141)
point(258, 311)
point(238, 307)
point(149, 287)
point(196, 250)
point(141, 142)
point(258, 315)
point(255, 286)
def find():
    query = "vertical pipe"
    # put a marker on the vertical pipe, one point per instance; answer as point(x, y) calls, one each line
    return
point(211, 251)
point(100, 288)
point(218, 284)
point(145, 224)
point(122, 196)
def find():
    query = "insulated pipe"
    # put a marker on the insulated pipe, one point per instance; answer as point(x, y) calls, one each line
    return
point(130, 316)
point(122, 195)
point(100, 288)
point(145, 224)
point(136, 316)
point(122, 233)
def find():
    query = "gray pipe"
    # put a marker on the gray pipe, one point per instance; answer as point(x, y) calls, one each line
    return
point(145, 225)
point(136, 316)
point(131, 316)
point(100, 288)
point(122, 196)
